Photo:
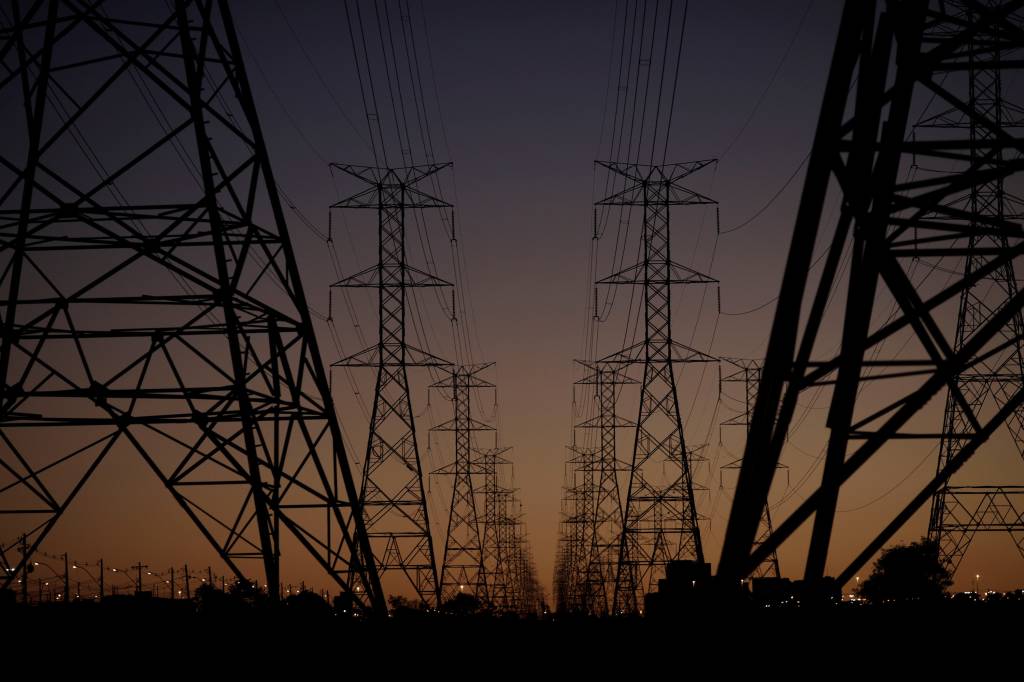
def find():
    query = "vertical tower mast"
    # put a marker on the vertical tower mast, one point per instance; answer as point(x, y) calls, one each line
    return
point(600, 562)
point(462, 570)
point(660, 518)
point(392, 492)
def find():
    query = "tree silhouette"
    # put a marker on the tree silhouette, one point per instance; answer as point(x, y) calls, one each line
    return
point(462, 604)
point(400, 606)
point(906, 573)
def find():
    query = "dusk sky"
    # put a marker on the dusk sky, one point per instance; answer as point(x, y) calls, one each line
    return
point(521, 96)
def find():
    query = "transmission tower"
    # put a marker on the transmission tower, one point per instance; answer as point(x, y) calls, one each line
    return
point(600, 561)
point(463, 570)
point(495, 561)
point(579, 499)
point(660, 517)
point(748, 373)
point(392, 492)
point(959, 512)
point(151, 299)
point(888, 225)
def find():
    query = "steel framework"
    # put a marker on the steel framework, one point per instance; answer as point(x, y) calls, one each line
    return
point(149, 293)
point(748, 373)
point(958, 512)
point(601, 512)
point(463, 570)
point(660, 516)
point(496, 528)
point(392, 492)
point(887, 224)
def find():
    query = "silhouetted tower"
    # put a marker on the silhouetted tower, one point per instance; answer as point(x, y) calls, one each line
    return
point(601, 560)
point(960, 511)
point(151, 300)
point(578, 522)
point(660, 516)
point(463, 568)
point(523, 588)
point(392, 493)
point(748, 374)
point(891, 58)
point(489, 462)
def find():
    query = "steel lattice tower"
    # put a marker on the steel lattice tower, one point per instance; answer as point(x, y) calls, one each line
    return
point(578, 522)
point(960, 511)
point(392, 493)
point(660, 516)
point(748, 374)
point(887, 222)
point(495, 559)
point(601, 558)
point(463, 570)
point(151, 299)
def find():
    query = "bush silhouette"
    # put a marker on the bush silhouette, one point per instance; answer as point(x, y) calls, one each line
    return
point(907, 573)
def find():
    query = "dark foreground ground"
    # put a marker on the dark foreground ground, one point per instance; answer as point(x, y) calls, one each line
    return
point(840, 635)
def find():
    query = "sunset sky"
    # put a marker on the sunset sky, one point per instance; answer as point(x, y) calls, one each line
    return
point(521, 95)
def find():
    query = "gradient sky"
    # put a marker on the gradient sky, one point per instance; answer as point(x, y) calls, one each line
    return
point(522, 90)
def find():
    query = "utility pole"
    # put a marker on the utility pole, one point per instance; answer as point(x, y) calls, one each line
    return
point(660, 515)
point(188, 584)
point(102, 579)
point(24, 570)
point(138, 567)
point(67, 580)
point(172, 582)
point(397, 520)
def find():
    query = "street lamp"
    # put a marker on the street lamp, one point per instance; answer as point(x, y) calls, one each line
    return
point(52, 571)
point(128, 575)
point(99, 583)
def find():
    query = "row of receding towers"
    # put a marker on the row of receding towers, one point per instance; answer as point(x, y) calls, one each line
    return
point(152, 306)
point(486, 555)
point(963, 216)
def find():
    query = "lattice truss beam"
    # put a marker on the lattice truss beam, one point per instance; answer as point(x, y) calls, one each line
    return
point(150, 301)
point(894, 357)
